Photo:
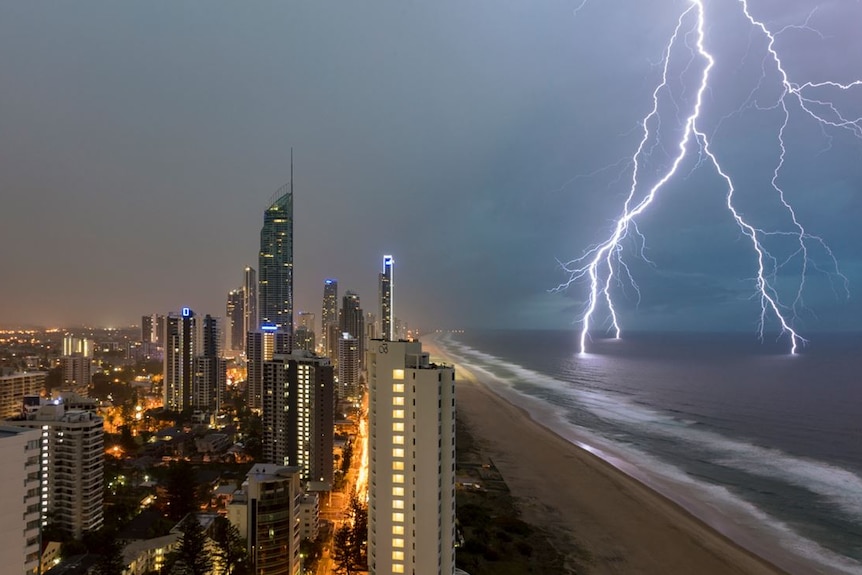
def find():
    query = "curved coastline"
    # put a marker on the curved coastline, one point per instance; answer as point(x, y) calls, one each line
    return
point(630, 521)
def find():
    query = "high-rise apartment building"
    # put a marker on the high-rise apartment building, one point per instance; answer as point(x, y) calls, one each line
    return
point(180, 350)
point(261, 345)
point(77, 372)
point(15, 386)
point(152, 328)
point(353, 322)
point(348, 367)
point(275, 280)
point(329, 318)
point(298, 419)
point(304, 339)
point(72, 465)
point(19, 499)
point(210, 369)
point(235, 320)
point(82, 346)
point(387, 325)
point(411, 418)
point(267, 515)
point(251, 320)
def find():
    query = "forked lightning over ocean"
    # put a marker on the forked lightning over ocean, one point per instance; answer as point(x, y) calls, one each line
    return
point(602, 265)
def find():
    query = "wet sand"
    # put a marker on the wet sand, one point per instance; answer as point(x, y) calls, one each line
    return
point(588, 504)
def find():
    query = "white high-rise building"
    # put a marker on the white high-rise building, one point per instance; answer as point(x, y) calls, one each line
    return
point(348, 366)
point(72, 465)
point(411, 416)
point(19, 499)
point(181, 342)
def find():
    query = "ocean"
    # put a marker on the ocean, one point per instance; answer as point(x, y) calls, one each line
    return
point(763, 445)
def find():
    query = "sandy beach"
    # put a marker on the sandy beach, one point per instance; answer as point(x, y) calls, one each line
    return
point(585, 502)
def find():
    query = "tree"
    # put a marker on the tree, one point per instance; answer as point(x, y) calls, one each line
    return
point(230, 550)
point(180, 485)
point(192, 556)
point(341, 554)
point(111, 560)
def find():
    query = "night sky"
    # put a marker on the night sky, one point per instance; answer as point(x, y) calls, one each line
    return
point(478, 142)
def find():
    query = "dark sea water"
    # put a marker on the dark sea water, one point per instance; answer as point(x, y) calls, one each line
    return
point(773, 440)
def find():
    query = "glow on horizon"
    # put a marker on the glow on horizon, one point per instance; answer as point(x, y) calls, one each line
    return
point(602, 264)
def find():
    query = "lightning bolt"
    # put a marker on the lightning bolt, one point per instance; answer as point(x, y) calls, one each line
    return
point(602, 265)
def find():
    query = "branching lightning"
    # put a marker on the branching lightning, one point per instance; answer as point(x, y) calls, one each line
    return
point(602, 266)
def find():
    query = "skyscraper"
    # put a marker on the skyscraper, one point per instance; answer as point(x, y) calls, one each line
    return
point(210, 368)
point(249, 301)
point(19, 498)
point(235, 314)
point(180, 343)
point(276, 261)
point(353, 322)
point(261, 346)
point(298, 405)
point(411, 507)
point(329, 317)
point(348, 366)
point(387, 325)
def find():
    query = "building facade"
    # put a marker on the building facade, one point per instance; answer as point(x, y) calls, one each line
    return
point(72, 470)
point(353, 322)
point(251, 321)
point(235, 320)
point(19, 499)
point(348, 367)
point(261, 346)
point(15, 386)
point(298, 414)
point(180, 350)
point(411, 508)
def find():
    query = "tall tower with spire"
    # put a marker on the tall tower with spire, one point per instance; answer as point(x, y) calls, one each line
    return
point(275, 267)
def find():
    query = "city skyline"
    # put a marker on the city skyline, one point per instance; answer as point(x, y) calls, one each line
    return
point(507, 128)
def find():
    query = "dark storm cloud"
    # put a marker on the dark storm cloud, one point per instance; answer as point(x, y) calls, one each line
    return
point(140, 143)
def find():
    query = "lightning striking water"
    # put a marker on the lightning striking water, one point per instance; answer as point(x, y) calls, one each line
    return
point(602, 265)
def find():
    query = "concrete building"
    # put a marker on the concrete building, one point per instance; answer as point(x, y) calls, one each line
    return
point(348, 367)
point(411, 414)
point(19, 499)
point(77, 372)
point(72, 465)
point(235, 320)
point(298, 419)
point(180, 339)
point(353, 322)
point(309, 511)
point(15, 386)
point(260, 347)
point(267, 515)
point(73, 345)
point(209, 384)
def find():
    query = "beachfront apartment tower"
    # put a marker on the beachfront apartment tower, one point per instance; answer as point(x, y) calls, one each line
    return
point(260, 347)
point(348, 366)
point(387, 325)
point(411, 415)
point(329, 318)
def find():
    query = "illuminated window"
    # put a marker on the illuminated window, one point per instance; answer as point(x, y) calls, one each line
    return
point(398, 555)
point(398, 426)
point(398, 542)
point(397, 388)
point(398, 478)
point(397, 414)
point(398, 439)
point(397, 452)
point(397, 374)
point(397, 466)
point(398, 491)
point(397, 568)
point(398, 517)
point(397, 400)
point(397, 504)
point(397, 530)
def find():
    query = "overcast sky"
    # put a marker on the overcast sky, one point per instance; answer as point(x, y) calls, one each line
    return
point(140, 143)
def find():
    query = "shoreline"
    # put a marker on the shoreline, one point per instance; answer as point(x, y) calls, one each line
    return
point(583, 495)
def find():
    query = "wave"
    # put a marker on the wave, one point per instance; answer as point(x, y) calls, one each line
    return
point(841, 488)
